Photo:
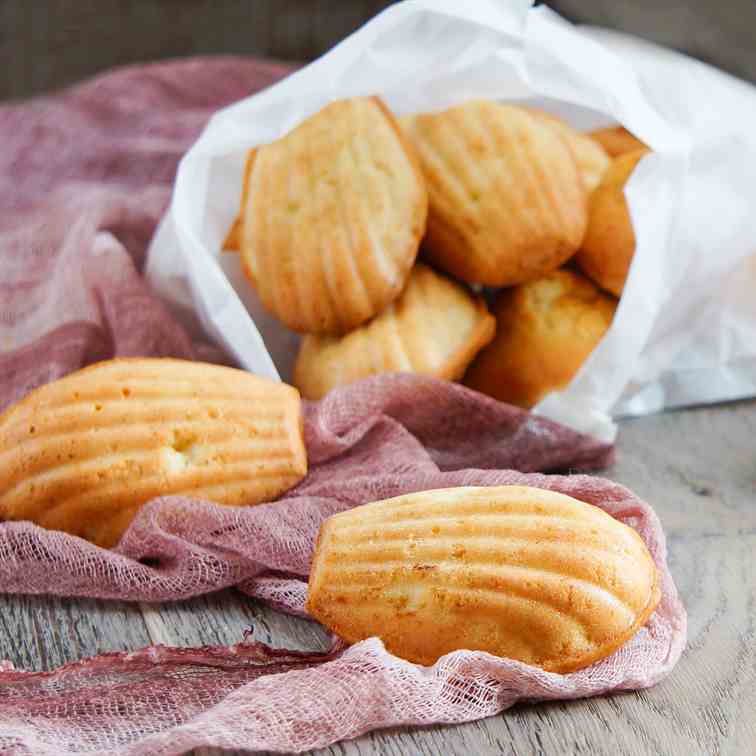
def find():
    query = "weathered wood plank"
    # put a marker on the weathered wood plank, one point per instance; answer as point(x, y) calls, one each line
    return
point(221, 618)
point(38, 633)
point(696, 467)
point(45, 45)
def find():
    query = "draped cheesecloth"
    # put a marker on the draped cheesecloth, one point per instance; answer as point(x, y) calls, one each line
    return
point(84, 178)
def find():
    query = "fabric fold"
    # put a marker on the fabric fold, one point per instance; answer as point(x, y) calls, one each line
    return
point(84, 177)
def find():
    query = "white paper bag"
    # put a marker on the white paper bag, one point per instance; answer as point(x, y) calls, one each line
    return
point(685, 328)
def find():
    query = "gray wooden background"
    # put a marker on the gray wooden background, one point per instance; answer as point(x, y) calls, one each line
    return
point(45, 44)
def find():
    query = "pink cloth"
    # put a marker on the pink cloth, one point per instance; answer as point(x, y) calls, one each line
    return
point(358, 451)
point(166, 701)
point(84, 177)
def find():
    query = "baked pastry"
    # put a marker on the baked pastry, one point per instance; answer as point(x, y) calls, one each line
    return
point(609, 244)
point(516, 571)
point(507, 202)
point(617, 140)
point(334, 215)
point(590, 156)
point(232, 242)
point(436, 326)
point(84, 453)
point(545, 330)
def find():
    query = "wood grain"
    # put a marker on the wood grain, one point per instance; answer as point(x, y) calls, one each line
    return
point(45, 45)
point(697, 468)
point(231, 614)
point(38, 633)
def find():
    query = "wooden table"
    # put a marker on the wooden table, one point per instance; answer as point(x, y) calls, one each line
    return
point(698, 469)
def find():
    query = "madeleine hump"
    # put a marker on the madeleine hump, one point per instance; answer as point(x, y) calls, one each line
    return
point(333, 216)
point(507, 202)
point(545, 330)
point(516, 571)
point(84, 453)
point(435, 327)
point(608, 248)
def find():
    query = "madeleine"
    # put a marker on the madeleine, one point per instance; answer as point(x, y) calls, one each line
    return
point(609, 245)
point(515, 571)
point(436, 327)
point(507, 201)
point(84, 453)
point(333, 217)
point(545, 330)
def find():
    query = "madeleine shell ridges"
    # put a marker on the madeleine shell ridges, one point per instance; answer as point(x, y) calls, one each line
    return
point(516, 571)
point(507, 201)
point(436, 327)
point(591, 158)
point(333, 219)
point(83, 453)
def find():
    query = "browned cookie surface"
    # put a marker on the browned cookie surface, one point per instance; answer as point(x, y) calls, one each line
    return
point(507, 201)
point(436, 327)
point(84, 453)
point(545, 330)
point(617, 140)
point(591, 158)
point(609, 244)
point(232, 242)
point(515, 571)
point(333, 218)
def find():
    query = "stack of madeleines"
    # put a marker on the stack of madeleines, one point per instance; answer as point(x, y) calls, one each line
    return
point(500, 198)
point(333, 217)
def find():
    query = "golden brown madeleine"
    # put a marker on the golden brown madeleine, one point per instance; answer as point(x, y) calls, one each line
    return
point(84, 453)
point(545, 330)
point(609, 244)
point(591, 159)
point(516, 571)
point(617, 140)
point(334, 217)
point(507, 203)
point(232, 242)
point(436, 326)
